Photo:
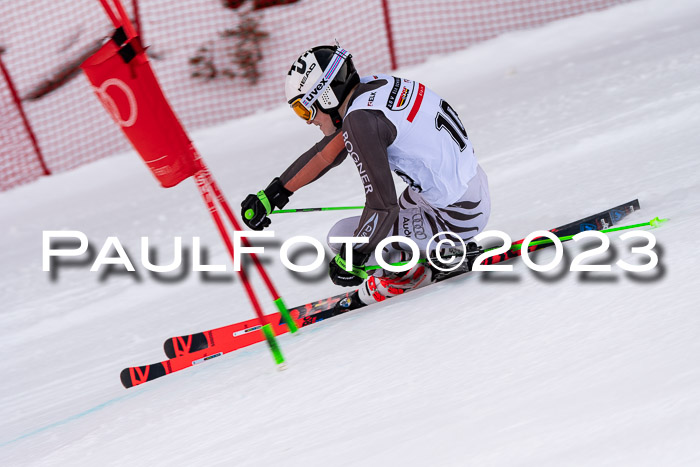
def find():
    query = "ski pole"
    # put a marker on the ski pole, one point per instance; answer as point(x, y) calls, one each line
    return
point(655, 222)
point(332, 208)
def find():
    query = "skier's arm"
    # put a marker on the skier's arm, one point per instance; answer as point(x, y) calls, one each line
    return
point(326, 154)
point(366, 135)
point(323, 156)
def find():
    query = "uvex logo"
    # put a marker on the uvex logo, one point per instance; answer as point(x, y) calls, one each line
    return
point(316, 90)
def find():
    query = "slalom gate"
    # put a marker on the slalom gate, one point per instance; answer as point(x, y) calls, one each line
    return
point(123, 80)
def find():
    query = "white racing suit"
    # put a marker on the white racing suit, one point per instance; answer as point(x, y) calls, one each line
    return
point(399, 125)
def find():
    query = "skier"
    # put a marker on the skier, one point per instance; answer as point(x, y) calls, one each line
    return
point(384, 124)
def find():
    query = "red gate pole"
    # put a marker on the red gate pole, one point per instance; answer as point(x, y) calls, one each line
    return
point(389, 33)
point(25, 121)
point(120, 13)
point(117, 14)
point(281, 306)
point(110, 12)
point(201, 181)
point(137, 20)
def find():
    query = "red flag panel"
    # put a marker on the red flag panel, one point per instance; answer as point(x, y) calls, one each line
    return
point(123, 80)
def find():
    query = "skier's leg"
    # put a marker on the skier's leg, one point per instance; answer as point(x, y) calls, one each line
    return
point(464, 218)
point(419, 221)
point(384, 284)
point(347, 227)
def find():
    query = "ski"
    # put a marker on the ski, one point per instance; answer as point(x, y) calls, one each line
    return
point(177, 346)
point(204, 346)
point(192, 349)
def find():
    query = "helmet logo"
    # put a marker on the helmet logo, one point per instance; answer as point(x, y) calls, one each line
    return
point(310, 97)
point(300, 69)
point(306, 76)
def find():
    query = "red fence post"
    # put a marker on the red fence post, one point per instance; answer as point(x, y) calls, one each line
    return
point(389, 35)
point(137, 20)
point(18, 103)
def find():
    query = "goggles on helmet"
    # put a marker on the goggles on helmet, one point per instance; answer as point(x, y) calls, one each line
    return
point(303, 112)
point(304, 104)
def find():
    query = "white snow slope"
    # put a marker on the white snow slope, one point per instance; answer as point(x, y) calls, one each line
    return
point(500, 370)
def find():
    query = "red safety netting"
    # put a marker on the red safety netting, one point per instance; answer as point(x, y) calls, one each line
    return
point(18, 156)
point(431, 27)
point(45, 41)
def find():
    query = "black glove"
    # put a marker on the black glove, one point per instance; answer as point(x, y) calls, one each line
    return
point(255, 208)
point(353, 278)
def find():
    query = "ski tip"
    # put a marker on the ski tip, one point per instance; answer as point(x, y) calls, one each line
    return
point(169, 348)
point(125, 377)
point(282, 366)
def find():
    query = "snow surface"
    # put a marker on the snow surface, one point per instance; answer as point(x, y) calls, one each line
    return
point(500, 370)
